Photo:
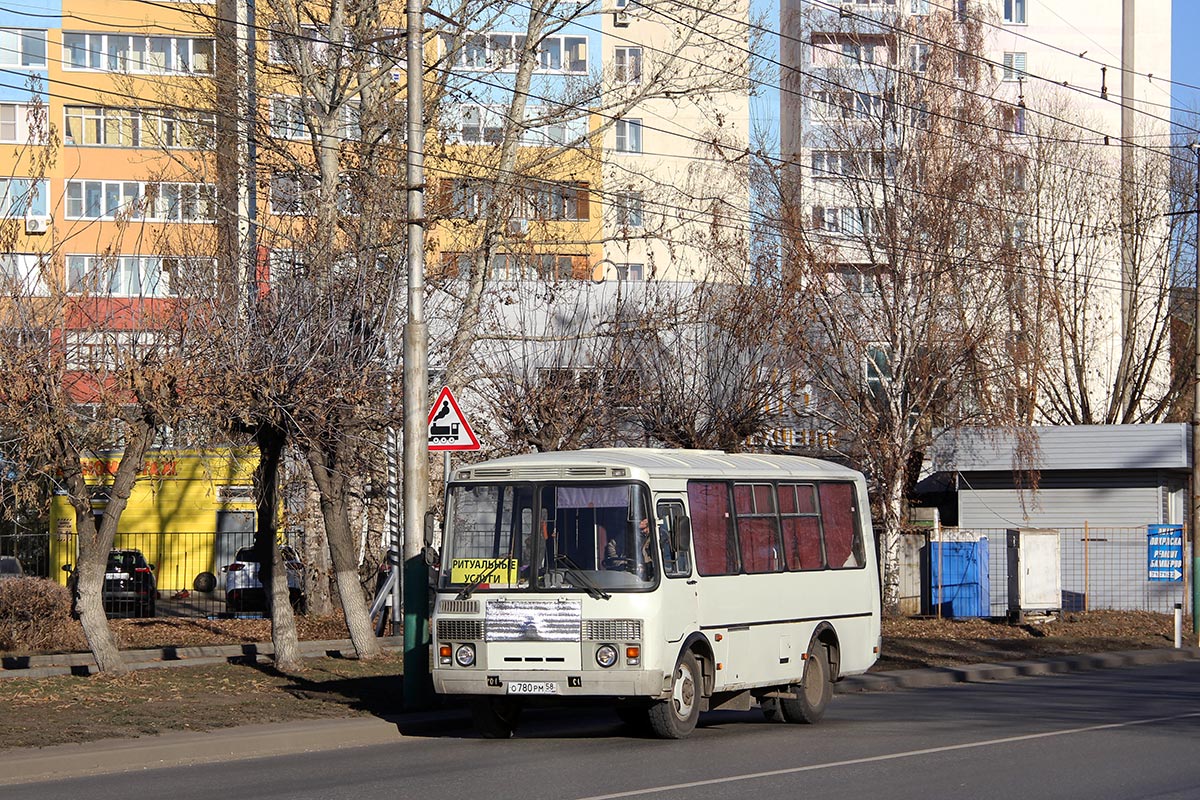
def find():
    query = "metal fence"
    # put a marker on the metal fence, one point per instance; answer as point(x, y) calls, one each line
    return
point(189, 568)
point(1101, 568)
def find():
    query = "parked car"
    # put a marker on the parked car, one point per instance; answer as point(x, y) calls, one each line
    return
point(129, 584)
point(243, 589)
point(10, 567)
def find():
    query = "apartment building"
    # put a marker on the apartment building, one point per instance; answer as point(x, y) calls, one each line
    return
point(1075, 95)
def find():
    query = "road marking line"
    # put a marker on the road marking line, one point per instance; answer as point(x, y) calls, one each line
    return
point(888, 757)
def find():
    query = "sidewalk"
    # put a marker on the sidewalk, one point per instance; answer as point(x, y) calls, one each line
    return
point(257, 741)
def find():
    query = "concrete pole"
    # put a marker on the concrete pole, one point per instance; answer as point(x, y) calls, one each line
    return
point(417, 685)
point(1194, 522)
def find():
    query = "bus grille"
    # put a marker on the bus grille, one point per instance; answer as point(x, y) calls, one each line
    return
point(459, 630)
point(611, 630)
point(533, 620)
point(459, 606)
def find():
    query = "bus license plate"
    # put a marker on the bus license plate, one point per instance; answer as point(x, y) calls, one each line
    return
point(532, 687)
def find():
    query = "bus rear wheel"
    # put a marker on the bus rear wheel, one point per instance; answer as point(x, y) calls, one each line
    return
point(675, 717)
point(495, 717)
point(811, 695)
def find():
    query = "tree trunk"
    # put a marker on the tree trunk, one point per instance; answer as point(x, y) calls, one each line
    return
point(272, 571)
point(889, 544)
point(316, 554)
point(95, 542)
point(329, 475)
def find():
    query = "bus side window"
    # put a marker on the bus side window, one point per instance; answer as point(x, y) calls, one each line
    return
point(839, 518)
point(676, 563)
point(801, 526)
point(712, 529)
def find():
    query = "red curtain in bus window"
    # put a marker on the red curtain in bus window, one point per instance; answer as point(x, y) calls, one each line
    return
point(801, 534)
point(841, 530)
point(757, 530)
point(711, 531)
point(802, 542)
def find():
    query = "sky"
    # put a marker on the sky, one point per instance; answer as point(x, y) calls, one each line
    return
point(1185, 52)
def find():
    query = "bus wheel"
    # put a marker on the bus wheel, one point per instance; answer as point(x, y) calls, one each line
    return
point(495, 718)
point(675, 717)
point(814, 692)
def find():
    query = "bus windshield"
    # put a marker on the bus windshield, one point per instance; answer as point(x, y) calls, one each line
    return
point(551, 536)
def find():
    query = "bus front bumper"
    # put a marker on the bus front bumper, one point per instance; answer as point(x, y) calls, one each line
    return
point(552, 683)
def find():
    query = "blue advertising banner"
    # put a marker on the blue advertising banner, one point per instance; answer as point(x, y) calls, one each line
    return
point(1164, 553)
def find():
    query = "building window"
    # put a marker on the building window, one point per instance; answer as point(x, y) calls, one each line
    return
point(118, 52)
point(849, 221)
point(918, 58)
point(627, 63)
point(289, 193)
point(99, 126)
point(152, 202)
point(631, 272)
point(557, 201)
point(21, 272)
point(919, 7)
point(125, 276)
point(560, 132)
point(287, 118)
point(22, 47)
point(628, 207)
point(22, 197)
point(503, 52)
point(1014, 66)
point(629, 136)
point(19, 125)
point(479, 124)
point(1014, 12)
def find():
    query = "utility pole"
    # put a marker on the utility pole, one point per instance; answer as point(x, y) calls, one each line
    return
point(417, 686)
point(1195, 518)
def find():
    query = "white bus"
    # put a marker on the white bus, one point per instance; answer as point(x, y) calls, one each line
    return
point(667, 582)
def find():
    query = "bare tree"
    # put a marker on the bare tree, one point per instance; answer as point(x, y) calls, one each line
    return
point(898, 246)
point(1106, 313)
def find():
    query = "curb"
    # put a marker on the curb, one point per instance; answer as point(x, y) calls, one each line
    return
point(977, 673)
point(84, 664)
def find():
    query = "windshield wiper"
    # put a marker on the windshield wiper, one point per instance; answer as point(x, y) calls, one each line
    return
point(466, 590)
point(577, 575)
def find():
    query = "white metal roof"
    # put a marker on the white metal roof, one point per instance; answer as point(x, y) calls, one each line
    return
point(679, 463)
point(1069, 447)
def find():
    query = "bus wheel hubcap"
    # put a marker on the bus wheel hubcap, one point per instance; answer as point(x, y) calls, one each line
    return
point(685, 692)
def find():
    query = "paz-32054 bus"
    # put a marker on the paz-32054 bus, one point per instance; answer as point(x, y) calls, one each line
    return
point(667, 581)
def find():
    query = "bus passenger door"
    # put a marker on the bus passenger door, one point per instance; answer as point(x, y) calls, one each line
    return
point(678, 585)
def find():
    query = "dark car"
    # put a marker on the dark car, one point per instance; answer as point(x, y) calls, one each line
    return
point(129, 584)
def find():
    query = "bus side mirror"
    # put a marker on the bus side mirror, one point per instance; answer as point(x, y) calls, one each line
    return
point(681, 533)
point(66, 567)
point(429, 520)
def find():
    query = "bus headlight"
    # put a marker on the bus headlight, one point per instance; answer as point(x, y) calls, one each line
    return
point(606, 655)
point(465, 655)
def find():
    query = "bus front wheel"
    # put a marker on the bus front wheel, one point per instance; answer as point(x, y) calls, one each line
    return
point(811, 695)
point(495, 717)
point(675, 717)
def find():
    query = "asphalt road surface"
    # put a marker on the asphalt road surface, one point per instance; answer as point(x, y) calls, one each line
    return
point(1122, 733)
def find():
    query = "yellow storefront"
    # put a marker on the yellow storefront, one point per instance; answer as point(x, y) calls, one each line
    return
point(188, 513)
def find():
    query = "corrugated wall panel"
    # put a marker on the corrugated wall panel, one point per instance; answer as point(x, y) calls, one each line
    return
point(1105, 502)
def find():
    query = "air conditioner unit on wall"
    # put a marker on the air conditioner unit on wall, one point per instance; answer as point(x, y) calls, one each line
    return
point(621, 18)
point(36, 225)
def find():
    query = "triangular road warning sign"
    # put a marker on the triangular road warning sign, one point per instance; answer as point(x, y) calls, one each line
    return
point(448, 428)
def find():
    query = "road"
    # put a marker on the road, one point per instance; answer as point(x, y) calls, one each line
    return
point(1122, 733)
